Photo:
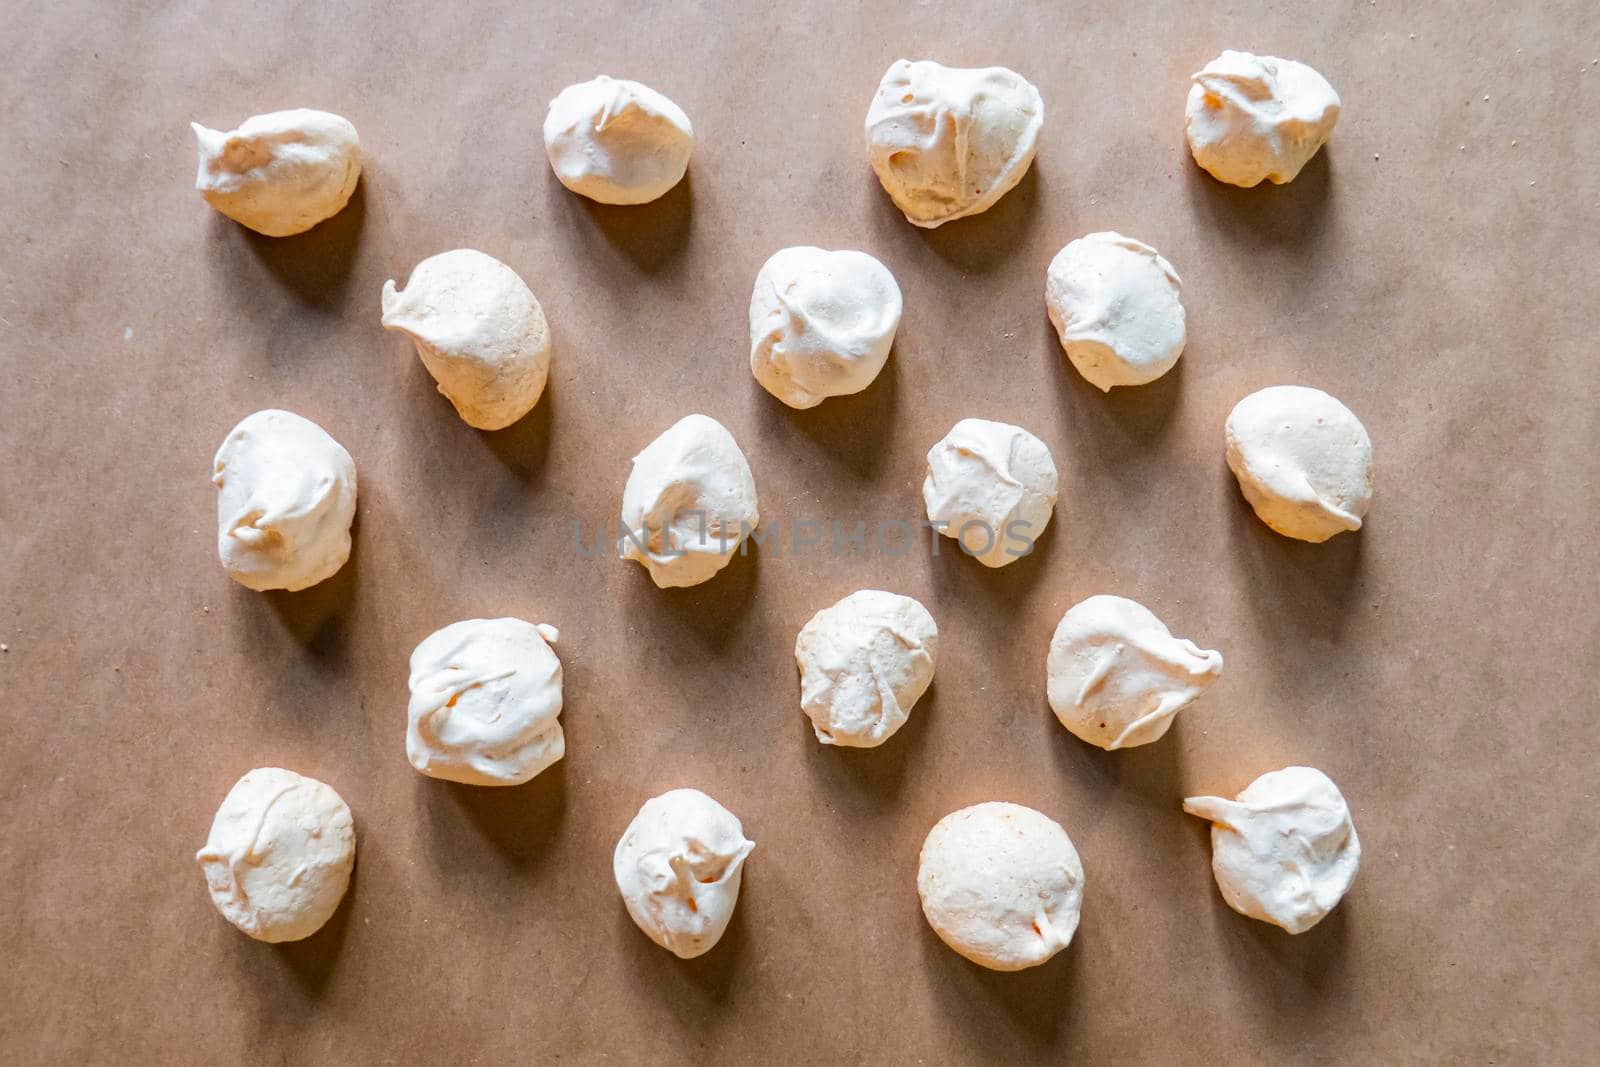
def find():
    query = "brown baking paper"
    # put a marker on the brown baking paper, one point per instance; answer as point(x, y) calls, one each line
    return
point(1433, 268)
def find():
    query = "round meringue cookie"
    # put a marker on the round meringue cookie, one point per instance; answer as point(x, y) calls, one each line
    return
point(485, 694)
point(991, 486)
point(616, 141)
point(821, 323)
point(278, 858)
point(281, 173)
point(948, 142)
point(678, 866)
point(1303, 460)
point(1116, 676)
point(1285, 850)
point(1001, 884)
point(1252, 118)
point(480, 332)
point(1114, 302)
point(864, 662)
point(286, 499)
point(689, 503)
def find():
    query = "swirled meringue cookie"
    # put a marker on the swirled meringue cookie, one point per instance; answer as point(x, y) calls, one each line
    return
point(1303, 460)
point(1001, 884)
point(286, 498)
point(678, 867)
point(948, 142)
point(689, 503)
point(480, 332)
point(278, 858)
point(821, 323)
point(864, 663)
point(617, 141)
point(1117, 677)
point(1285, 850)
point(991, 486)
point(280, 173)
point(485, 694)
point(1251, 117)
point(1114, 302)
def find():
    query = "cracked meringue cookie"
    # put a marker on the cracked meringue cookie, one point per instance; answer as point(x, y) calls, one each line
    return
point(616, 141)
point(821, 323)
point(278, 858)
point(864, 662)
point(480, 332)
point(1303, 460)
point(991, 486)
point(286, 498)
point(678, 867)
point(1114, 302)
point(948, 142)
point(1250, 118)
point(1116, 676)
point(485, 694)
point(1001, 884)
point(281, 173)
point(689, 503)
point(1285, 850)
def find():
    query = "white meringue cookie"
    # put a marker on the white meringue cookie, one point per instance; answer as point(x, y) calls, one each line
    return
point(485, 694)
point(287, 496)
point(991, 486)
point(1285, 850)
point(689, 503)
point(278, 858)
point(863, 663)
point(1303, 460)
point(678, 866)
point(821, 323)
point(617, 141)
point(948, 142)
point(480, 332)
point(1252, 117)
point(1114, 301)
point(280, 173)
point(1117, 677)
point(1001, 884)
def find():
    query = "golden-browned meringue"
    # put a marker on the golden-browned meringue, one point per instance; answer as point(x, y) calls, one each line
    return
point(480, 332)
point(1285, 850)
point(1001, 884)
point(281, 173)
point(948, 142)
point(1303, 460)
point(1116, 676)
point(1252, 118)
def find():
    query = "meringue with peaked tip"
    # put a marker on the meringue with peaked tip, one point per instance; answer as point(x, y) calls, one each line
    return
point(1114, 302)
point(678, 866)
point(480, 332)
point(821, 323)
point(616, 141)
point(948, 142)
point(864, 662)
point(286, 498)
point(485, 694)
point(1252, 118)
point(1116, 677)
point(1303, 460)
point(991, 486)
point(689, 503)
point(1285, 850)
point(278, 858)
point(281, 173)
point(1001, 884)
